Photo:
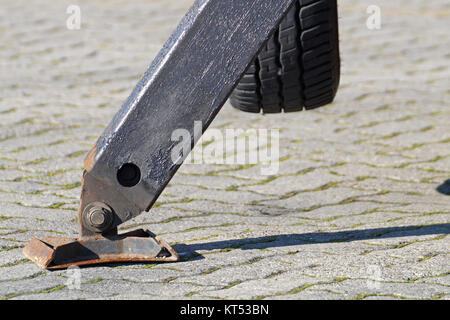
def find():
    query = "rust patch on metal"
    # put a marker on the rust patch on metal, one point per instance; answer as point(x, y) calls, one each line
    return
point(39, 252)
point(90, 158)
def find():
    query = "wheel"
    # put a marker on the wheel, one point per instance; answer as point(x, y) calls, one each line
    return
point(299, 67)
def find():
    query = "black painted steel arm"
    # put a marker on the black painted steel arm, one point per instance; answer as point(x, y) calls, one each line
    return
point(189, 80)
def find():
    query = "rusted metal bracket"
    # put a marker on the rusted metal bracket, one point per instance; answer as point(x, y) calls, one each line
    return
point(132, 162)
point(59, 253)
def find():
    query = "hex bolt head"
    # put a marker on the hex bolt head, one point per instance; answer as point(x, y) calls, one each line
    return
point(97, 217)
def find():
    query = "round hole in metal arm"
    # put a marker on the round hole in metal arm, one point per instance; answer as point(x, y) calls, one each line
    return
point(129, 175)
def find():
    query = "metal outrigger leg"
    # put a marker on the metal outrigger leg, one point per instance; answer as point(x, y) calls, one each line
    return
point(132, 162)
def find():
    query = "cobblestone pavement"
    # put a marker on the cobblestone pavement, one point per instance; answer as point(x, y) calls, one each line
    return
point(359, 208)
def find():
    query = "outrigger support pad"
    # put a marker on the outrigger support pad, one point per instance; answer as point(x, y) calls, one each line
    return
point(136, 246)
point(136, 157)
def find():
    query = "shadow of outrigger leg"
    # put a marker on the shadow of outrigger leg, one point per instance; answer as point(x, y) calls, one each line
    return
point(135, 158)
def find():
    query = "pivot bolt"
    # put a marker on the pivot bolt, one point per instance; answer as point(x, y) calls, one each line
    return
point(97, 217)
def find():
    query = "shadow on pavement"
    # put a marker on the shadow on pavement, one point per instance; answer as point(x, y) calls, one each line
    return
point(444, 188)
point(188, 251)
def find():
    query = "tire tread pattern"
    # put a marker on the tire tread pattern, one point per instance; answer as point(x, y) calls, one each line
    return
point(299, 67)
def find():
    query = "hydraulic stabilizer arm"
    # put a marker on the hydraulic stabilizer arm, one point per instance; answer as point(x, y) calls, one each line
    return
point(133, 160)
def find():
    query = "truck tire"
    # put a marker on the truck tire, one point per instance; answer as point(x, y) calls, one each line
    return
point(299, 67)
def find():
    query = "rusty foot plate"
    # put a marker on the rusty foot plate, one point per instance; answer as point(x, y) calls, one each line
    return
point(136, 246)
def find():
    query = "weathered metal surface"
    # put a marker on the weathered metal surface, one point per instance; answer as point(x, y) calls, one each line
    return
point(189, 81)
point(38, 252)
point(132, 162)
point(136, 246)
